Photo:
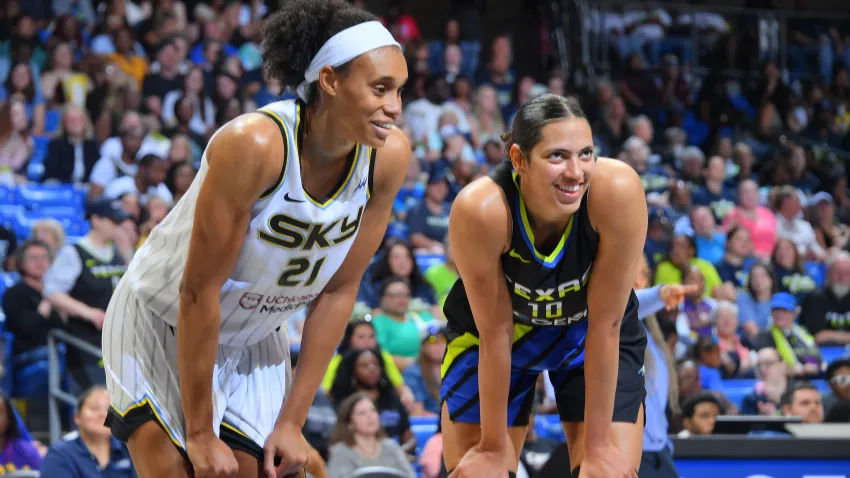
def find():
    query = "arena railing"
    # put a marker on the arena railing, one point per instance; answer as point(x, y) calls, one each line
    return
point(54, 377)
point(772, 30)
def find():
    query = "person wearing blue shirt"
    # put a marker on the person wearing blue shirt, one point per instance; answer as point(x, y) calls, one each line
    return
point(711, 243)
point(423, 376)
point(661, 385)
point(93, 453)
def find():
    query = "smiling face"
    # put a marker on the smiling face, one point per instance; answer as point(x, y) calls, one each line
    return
point(367, 96)
point(557, 171)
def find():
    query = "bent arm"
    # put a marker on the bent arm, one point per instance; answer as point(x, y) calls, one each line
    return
point(240, 169)
point(649, 301)
point(479, 232)
point(618, 210)
point(330, 312)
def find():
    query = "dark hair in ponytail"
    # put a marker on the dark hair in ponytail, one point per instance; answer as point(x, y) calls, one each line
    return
point(529, 121)
point(297, 30)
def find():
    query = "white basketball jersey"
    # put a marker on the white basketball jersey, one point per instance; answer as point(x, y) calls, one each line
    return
point(292, 248)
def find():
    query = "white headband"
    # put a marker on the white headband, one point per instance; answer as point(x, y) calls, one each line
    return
point(344, 47)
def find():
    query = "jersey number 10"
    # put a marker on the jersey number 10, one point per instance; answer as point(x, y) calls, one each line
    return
point(297, 267)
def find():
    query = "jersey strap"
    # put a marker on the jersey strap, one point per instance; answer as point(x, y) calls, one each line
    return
point(279, 122)
point(370, 179)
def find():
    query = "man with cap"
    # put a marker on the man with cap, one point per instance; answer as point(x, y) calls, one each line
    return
point(826, 311)
point(795, 345)
point(79, 285)
point(429, 221)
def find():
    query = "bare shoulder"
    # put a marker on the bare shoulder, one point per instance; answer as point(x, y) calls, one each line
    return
point(391, 162)
point(248, 151)
point(482, 210)
point(616, 192)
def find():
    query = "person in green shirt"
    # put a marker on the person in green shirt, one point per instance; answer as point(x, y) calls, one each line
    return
point(399, 331)
point(682, 255)
point(443, 276)
point(360, 334)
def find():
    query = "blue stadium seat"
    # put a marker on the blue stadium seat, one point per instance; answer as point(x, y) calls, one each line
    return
point(397, 230)
point(35, 169)
point(549, 426)
point(423, 428)
point(8, 196)
point(51, 121)
point(816, 270)
point(737, 388)
point(35, 196)
point(8, 212)
point(831, 353)
point(425, 261)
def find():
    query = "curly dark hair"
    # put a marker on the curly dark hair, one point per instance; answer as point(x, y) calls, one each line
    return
point(297, 30)
point(345, 384)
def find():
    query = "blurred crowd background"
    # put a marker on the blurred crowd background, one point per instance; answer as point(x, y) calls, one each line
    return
point(735, 115)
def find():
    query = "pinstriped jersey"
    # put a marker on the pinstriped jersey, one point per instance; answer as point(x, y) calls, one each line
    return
point(293, 246)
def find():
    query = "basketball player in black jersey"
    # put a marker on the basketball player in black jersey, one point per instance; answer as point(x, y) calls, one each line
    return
point(547, 264)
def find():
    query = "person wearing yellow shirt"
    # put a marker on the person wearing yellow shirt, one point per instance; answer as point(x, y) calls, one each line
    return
point(443, 276)
point(682, 255)
point(360, 334)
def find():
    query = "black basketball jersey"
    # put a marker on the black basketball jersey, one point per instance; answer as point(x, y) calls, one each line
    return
point(547, 290)
point(94, 288)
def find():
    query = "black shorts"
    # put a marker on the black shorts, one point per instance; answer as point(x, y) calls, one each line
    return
point(124, 426)
point(630, 394)
point(459, 389)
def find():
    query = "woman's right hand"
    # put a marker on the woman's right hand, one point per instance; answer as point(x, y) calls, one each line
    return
point(210, 457)
point(487, 463)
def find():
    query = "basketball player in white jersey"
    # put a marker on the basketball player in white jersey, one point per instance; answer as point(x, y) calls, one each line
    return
point(288, 208)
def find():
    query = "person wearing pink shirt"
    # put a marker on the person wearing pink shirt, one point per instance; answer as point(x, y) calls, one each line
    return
point(758, 220)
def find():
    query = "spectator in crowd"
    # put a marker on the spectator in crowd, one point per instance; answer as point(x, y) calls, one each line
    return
point(93, 452)
point(735, 264)
point(838, 377)
point(398, 260)
point(71, 156)
point(697, 312)
point(429, 221)
point(680, 257)
point(203, 109)
point(700, 414)
point(178, 178)
point(16, 145)
point(766, 396)
point(16, 453)
point(714, 194)
point(21, 87)
point(691, 384)
point(423, 376)
point(360, 334)
point(714, 365)
point(147, 183)
point(710, 242)
point(803, 400)
point(795, 344)
point(362, 370)
point(826, 312)
point(398, 329)
point(109, 168)
point(828, 231)
point(29, 316)
point(726, 328)
point(789, 224)
point(788, 269)
point(125, 58)
point(50, 232)
point(80, 282)
point(360, 442)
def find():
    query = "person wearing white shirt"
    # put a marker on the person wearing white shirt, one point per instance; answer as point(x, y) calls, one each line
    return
point(648, 28)
point(423, 115)
point(789, 224)
point(147, 183)
point(110, 167)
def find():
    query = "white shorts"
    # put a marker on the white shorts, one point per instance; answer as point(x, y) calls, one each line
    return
point(140, 359)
